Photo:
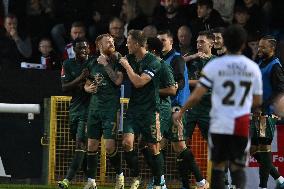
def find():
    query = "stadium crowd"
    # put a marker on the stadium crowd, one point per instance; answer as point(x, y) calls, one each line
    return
point(43, 28)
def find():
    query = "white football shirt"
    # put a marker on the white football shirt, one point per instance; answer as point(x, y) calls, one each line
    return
point(234, 79)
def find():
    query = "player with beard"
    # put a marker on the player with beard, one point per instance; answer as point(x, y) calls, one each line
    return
point(73, 76)
point(219, 47)
point(263, 123)
point(104, 84)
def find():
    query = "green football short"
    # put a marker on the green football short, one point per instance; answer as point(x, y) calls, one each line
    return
point(102, 123)
point(77, 124)
point(173, 132)
point(165, 120)
point(262, 132)
point(200, 120)
point(148, 125)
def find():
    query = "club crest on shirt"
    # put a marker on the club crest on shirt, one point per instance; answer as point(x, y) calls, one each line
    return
point(98, 79)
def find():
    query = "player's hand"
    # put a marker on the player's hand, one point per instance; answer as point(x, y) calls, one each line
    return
point(201, 55)
point(102, 59)
point(85, 73)
point(91, 88)
point(177, 116)
point(195, 56)
point(124, 62)
point(257, 112)
point(14, 34)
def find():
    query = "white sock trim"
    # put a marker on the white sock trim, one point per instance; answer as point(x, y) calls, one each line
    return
point(280, 179)
point(201, 183)
point(91, 180)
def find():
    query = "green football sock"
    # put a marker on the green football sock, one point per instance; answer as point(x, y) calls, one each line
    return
point(189, 158)
point(147, 156)
point(132, 162)
point(274, 173)
point(163, 157)
point(76, 164)
point(92, 161)
point(157, 168)
point(265, 161)
point(183, 170)
point(239, 178)
point(217, 179)
point(115, 160)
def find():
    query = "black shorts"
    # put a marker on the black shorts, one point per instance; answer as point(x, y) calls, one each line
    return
point(229, 148)
point(261, 141)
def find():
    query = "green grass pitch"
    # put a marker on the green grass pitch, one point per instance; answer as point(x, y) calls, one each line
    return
point(19, 186)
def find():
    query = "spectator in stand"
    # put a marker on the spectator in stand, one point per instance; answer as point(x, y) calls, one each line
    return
point(225, 8)
point(78, 30)
point(219, 48)
point(2, 13)
point(256, 15)
point(116, 30)
point(22, 42)
point(208, 18)
point(253, 41)
point(48, 56)
point(40, 14)
point(150, 31)
point(102, 12)
point(277, 20)
point(129, 11)
point(171, 18)
point(280, 51)
point(184, 40)
point(266, 9)
point(16, 8)
point(15, 46)
point(66, 12)
point(145, 14)
point(243, 18)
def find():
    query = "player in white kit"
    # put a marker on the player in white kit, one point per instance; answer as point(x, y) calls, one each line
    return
point(236, 85)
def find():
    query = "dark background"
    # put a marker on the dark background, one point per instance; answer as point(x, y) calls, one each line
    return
point(20, 147)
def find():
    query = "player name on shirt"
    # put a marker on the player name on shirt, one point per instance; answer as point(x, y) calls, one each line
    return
point(235, 69)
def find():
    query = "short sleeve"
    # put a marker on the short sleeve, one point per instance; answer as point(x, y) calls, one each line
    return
point(65, 73)
point(166, 76)
point(207, 75)
point(152, 67)
point(257, 83)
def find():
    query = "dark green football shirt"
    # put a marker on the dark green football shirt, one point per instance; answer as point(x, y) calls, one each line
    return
point(166, 80)
point(194, 73)
point(107, 96)
point(80, 99)
point(146, 98)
